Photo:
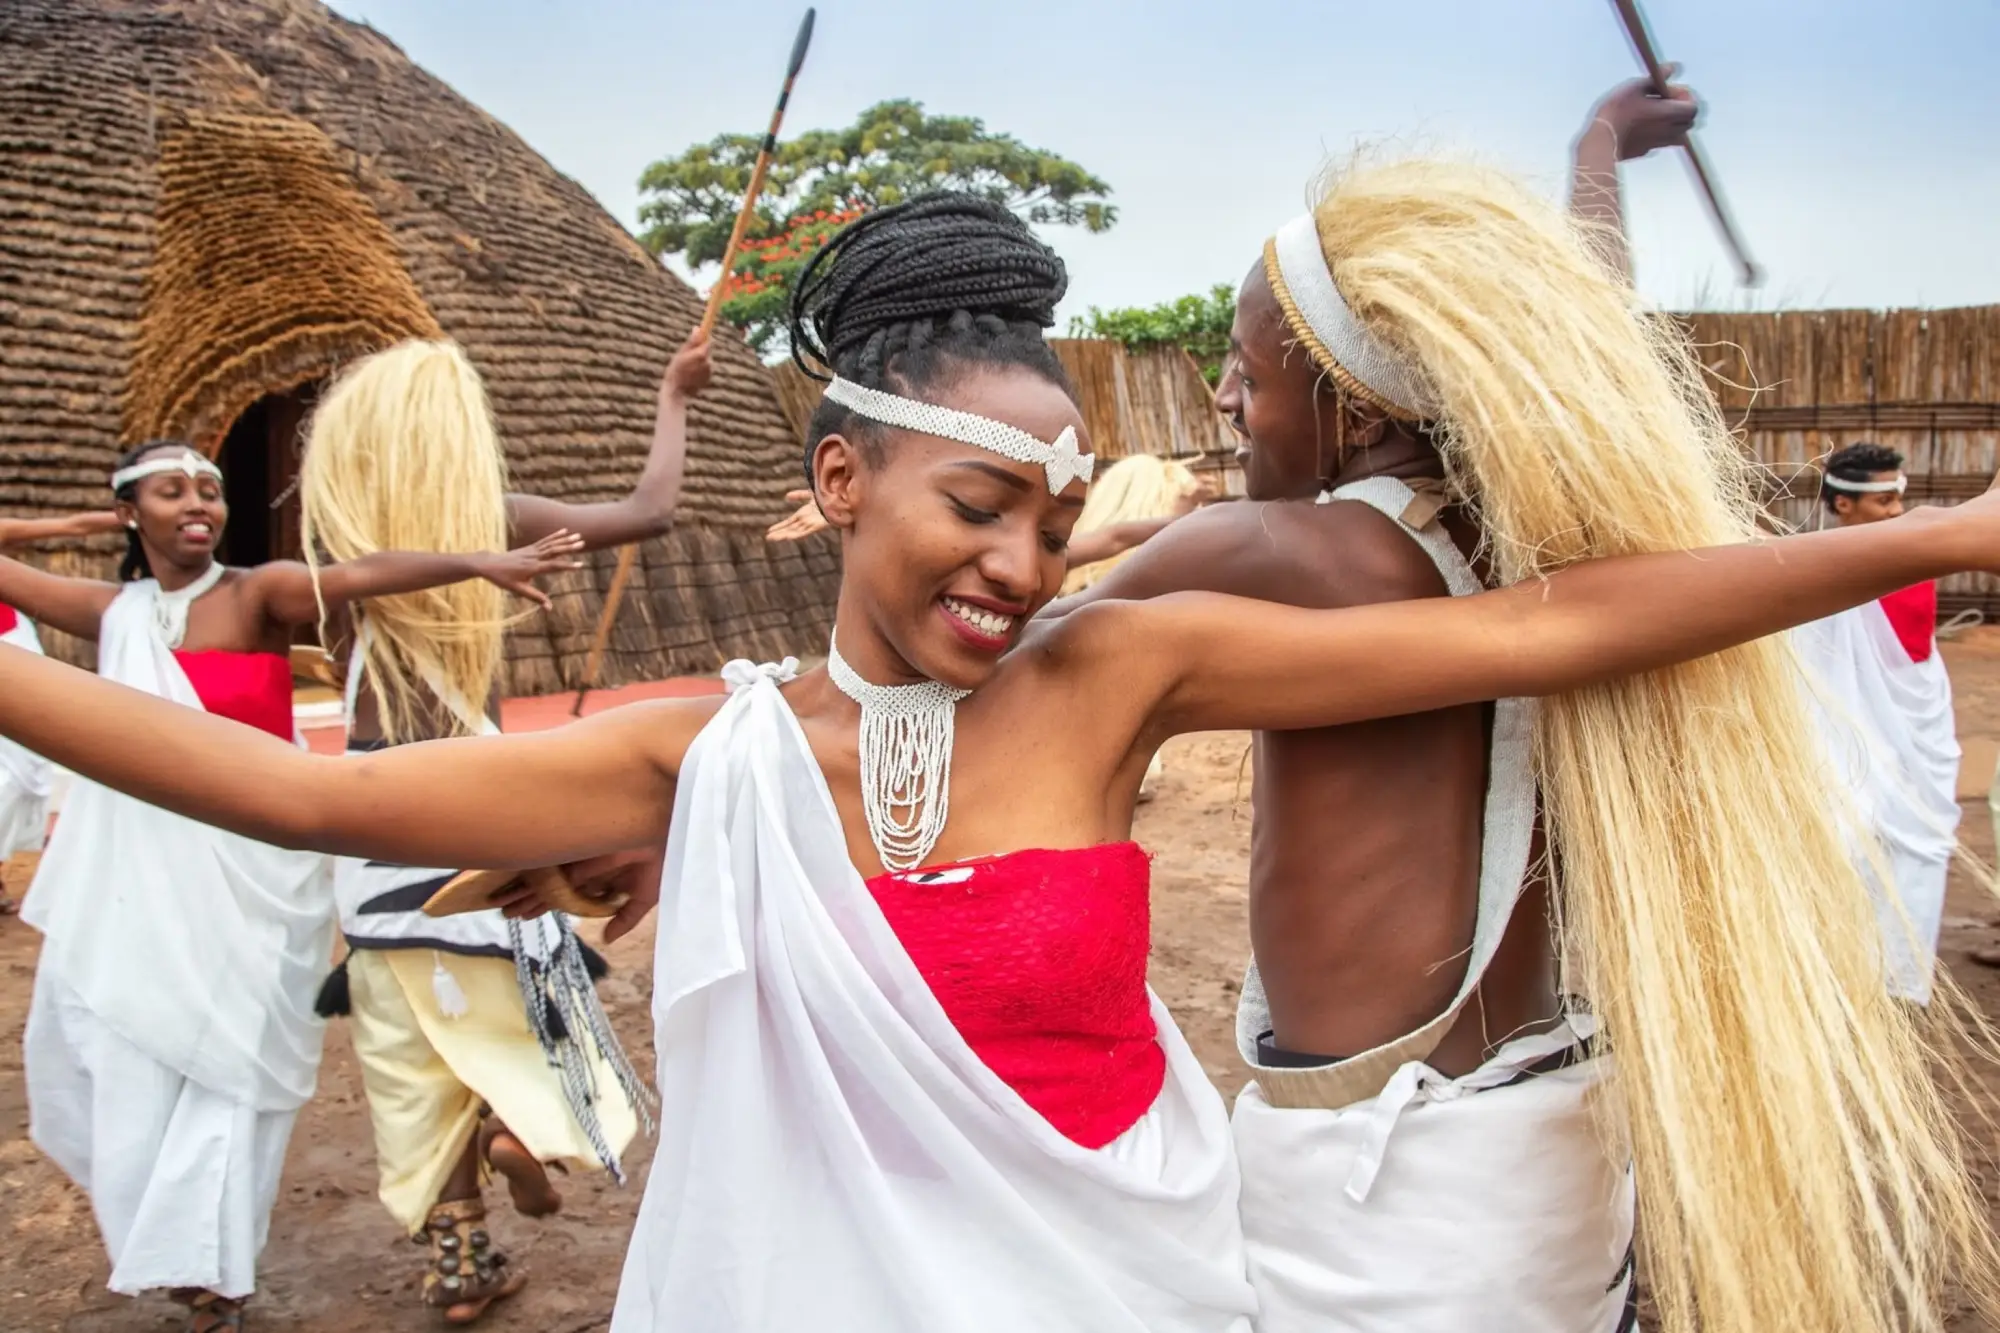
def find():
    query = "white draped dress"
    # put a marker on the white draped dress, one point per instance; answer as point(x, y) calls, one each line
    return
point(1892, 746)
point(171, 1037)
point(833, 1155)
point(24, 775)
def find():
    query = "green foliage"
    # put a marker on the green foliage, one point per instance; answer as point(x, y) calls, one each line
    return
point(1200, 323)
point(893, 151)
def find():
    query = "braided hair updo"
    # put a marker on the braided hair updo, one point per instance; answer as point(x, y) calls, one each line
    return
point(908, 297)
point(134, 565)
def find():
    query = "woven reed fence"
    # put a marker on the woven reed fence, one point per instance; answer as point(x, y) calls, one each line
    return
point(1796, 385)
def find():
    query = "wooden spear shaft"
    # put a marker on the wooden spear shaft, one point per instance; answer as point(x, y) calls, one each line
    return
point(1642, 45)
point(628, 554)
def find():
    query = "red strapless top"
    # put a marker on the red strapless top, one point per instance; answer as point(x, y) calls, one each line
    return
point(9, 618)
point(1912, 613)
point(251, 688)
point(1039, 959)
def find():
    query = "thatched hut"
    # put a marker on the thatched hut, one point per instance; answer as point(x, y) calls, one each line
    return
point(208, 206)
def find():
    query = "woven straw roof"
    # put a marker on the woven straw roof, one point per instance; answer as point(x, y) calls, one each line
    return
point(205, 201)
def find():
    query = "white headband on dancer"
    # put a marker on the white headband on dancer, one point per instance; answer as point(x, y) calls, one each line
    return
point(1833, 483)
point(187, 462)
point(1309, 284)
point(1059, 459)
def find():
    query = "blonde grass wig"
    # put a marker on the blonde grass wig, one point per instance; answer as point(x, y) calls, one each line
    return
point(1129, 491)
point(402, 455)
point(1798, 1165)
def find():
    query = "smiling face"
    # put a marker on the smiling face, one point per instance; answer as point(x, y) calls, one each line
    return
point(180, 518)
point(948, 548)
point(1271, 393)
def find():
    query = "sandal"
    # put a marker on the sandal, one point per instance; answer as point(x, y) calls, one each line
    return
point(528, 1184)
point(210, 1313)
point(467, 1271)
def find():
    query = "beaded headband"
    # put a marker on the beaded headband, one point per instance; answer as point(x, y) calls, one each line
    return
point(1833, 483)
point(187, 462)
point(1296, 265)
point(1059, 459)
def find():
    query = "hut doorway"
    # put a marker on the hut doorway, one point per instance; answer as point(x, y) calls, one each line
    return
point(260, 461)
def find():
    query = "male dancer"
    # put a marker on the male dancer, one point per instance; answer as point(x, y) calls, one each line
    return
point(1888, 724)
point(1368, 841)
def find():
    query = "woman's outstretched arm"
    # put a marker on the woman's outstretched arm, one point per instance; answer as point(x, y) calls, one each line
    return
point(649, 510)
point(604, 784)
point(74, 606)
point(286, 591)
point(20, 531)
point(1228, 663)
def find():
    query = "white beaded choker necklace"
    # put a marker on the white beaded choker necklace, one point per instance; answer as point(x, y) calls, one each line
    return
point(906, 739)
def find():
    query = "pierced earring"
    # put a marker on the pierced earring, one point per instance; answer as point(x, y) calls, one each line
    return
point(132, 523)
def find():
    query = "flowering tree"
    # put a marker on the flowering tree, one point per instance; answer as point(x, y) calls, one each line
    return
point(824, 178)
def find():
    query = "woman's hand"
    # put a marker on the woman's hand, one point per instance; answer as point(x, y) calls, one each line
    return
point(691, 369)
point(804, 523)
point(1641, 121)
point(517, 570)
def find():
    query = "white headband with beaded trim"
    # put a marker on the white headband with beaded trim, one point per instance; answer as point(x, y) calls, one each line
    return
point(187, 462)
point(1833, 483)
point(1309, 282)
point(1058, 458)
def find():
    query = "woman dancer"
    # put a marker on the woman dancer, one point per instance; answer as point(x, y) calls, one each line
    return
point(24, 777)
point(170, 1040)
point(482, 1043)
point(912, 1075)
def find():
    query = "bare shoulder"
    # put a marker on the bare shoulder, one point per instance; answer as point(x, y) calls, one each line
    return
point(660, 729)
point(1290, 551)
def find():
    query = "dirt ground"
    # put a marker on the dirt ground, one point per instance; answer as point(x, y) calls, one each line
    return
point(335, 1263)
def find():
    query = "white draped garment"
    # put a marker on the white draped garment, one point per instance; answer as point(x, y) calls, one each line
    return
point(1890, 739)
point(24, 775)
point(833, 1155)
point(171, 1039)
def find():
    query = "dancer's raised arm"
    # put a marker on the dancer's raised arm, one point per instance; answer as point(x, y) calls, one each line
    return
point(20, 531)
point(1234, 663)
point(71, 605)
point(1631, 121)
point(286, 588)
point(535, 798)
point(649, 508)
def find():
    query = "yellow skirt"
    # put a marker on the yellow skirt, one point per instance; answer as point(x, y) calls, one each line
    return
point(427, 1076)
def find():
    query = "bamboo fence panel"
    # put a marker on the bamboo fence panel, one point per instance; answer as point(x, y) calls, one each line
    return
point(1793, 385)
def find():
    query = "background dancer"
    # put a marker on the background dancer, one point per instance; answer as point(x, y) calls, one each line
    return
point(170, 1040)
point(1887, 718)
point(894, 1107)
point(24, 777)
point(482, 1043)
point(1386, 366)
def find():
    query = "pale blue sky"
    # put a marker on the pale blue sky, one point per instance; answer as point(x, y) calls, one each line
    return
point(1856, 141)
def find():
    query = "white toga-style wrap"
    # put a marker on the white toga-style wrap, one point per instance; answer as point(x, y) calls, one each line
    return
point(24, 775)
point(171, 1039)
point(833, 1155)
point(1892, 745)
point(1380, 1196)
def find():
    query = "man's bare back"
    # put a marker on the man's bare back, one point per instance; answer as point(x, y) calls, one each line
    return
point(1364, 861)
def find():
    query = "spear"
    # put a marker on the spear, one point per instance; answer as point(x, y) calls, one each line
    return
point(1642, 46)
point(626, 555)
